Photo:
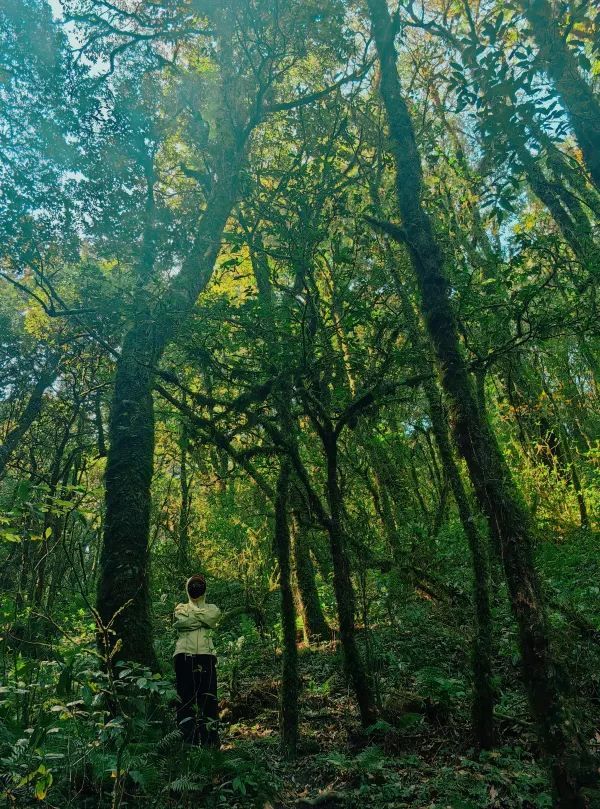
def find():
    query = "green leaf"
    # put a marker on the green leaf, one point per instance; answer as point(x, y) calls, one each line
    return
point(43, 784)
point(239, 786)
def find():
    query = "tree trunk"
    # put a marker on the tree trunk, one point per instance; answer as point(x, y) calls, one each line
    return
point(123, 598)
point(344, 592)
point(183, 526)
point(99, 425)
point(315, 625)
point(289, 675)
point(568, 214)
point(53, 523)
point(492, 481)
point(30, 413)
point(383, 505)
point(123, 590)
point(483, 701)
point(560, 63)
point(483, 697)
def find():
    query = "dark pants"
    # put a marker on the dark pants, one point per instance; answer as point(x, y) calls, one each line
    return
point(197, 710)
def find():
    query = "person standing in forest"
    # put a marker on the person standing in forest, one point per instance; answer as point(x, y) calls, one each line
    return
point(196, 666)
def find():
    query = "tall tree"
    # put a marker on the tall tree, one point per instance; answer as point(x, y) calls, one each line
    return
point(496, 492)
point(239, 89)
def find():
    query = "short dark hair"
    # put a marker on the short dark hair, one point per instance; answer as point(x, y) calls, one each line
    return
point(196, 586)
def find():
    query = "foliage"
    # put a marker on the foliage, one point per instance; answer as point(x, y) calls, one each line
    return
point(204, 280)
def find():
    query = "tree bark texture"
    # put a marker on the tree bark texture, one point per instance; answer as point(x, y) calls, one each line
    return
point(344, 592)
point(483, 699)
point(123, 589)
point(482, 712)
point(183, 526)
point(315, 624)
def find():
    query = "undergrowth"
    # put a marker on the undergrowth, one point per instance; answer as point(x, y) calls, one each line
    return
point(73, 736)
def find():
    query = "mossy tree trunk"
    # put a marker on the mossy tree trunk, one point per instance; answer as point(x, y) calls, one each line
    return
point(495, 490)
point(342, 585)
point(123, 588)
point(183, 523)
point(30, 413)
point(342, 580)
point(123, 597)
point(566, 210)
point(53, 524)
point(483, 697)
point(315, 624)
point(289, 670)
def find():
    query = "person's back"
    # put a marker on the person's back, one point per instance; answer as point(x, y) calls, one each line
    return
point(195, 665)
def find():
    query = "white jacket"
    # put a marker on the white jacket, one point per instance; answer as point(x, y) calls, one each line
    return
point(194, 623)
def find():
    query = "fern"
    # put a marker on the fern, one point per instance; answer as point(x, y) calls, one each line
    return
point(146, 776)
point(168, 742)
point(183, 784)
point(102, 763)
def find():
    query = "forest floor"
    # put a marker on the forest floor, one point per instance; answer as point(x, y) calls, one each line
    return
point(420, 755)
